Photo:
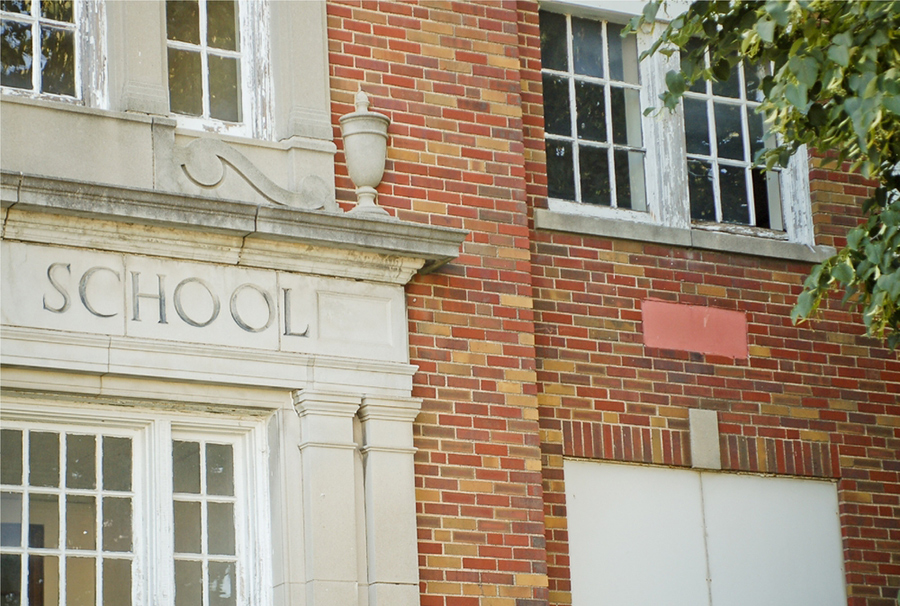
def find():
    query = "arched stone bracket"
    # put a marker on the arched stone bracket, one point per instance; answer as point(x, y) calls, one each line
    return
point(204, 162)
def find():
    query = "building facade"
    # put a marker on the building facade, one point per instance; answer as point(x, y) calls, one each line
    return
point(552, 363)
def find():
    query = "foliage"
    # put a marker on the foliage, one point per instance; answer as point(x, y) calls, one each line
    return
point(834, 85)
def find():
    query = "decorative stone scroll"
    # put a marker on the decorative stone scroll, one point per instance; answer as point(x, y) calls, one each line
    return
point(204, 161)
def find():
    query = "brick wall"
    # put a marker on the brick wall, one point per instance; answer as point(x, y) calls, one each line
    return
point(529, 345)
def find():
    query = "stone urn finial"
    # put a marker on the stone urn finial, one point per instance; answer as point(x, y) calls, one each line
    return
point(365, 148)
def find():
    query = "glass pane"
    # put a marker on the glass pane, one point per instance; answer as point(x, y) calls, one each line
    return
point(185, 85)
point(560, 170)
point(11, 519)
point(187, 527)
point(224, 88)
point(700, 186)
point(220, 469)
point(220, 521)
point(587, 47)
point(43, 520)
point(15, 46)
point(222, 590)
point(696, 126)
point(188, 583)
point(186, 467)
point(43, 580)
point(60, 10)
point(698, 86)
point(557, 119)
point(757, 132)
point(81, 517)
point(767, 199)
point(11, 579)
point(752, 79)
point(623, 55)
point(183, 20)
point(116, 524)
point(730, 87)
point(553, 41)
point(116, 582)
point(11, 457)
point(630, 180)
point(222, 29)
point(116, 463)
point(16, 6)
point(590, 104)
point(594, 162)
point(733, 185)
point(80, 582)
point(58, 61)
point(626, 116)
point(43, 459)
point(81, 461)
point(728, 131)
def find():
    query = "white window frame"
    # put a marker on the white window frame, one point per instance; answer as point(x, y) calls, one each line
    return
point(255, 84)
point(152, 431)
point(90, 57)
point(665, 166)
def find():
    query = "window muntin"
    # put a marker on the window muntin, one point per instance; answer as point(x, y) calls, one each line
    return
point(108, 548)
point(67, 512)
point(45, 29)
point(723, 133)
point(204, 59)
point(592, 112)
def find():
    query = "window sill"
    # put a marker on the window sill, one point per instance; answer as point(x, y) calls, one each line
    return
point(549, 220)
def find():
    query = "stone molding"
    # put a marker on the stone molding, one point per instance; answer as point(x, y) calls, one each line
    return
point(433, 245)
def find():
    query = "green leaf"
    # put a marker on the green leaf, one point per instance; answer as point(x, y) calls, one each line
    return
point(892, 104)
point(766, 29)
point(839, 54)
point(804, 307)
point(778, 10)
point(806, 69)
point(675, 82)
point(796, 95)
point(843, 272)
point(650, 10)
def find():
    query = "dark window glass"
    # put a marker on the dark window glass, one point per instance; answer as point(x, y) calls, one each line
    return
point(730, 87)
point(59, 10)
point(185, 84)
point(186, 467)
point(590, 103)
point(729, 138)
point(16, 53)
point(58, 61)
point(183, 20)
point(587, 47)
point(80, 461)
point(224, 88)
point(623, 55)
point(557, 119)
point(696, 126)
point(116, 463)
point(16, 6)
point(700, 186)
point(733, 186)
point(560, 170)
point(222, 26)
point(595, 186)
point(43, 459)
point(553, 41)
point(11, 456)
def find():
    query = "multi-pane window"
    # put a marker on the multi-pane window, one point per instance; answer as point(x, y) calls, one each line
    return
point(38, 46)
point(66, 535)
point(204, 58)
point(103, 517)
point(592, 112)
point(723, 133)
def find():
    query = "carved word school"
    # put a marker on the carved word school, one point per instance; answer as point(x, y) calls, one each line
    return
point(241, 297)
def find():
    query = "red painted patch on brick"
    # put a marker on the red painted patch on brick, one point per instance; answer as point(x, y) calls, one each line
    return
point(695, 328)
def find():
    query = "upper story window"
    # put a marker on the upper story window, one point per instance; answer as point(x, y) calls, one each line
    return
point(722, 135)
point(592, 112)
point(45, 29)
point(212, 84)
point(694, 168)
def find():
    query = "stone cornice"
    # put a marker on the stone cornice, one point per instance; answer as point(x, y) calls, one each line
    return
point(433, 245)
